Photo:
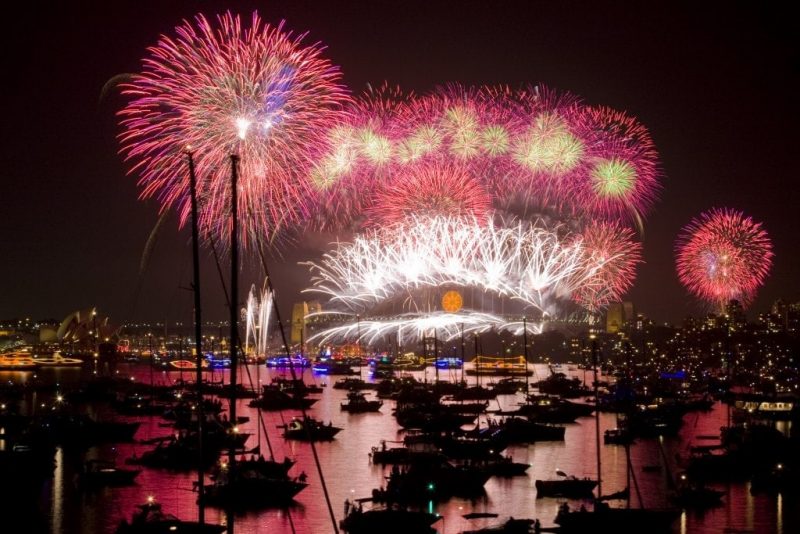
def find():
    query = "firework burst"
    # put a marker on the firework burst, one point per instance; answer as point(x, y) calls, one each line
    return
point(622, 178)
point(256, 319)
point(221, 88)
point(534, 265)
point(611, 255)
point(723, 255)
point(428, 191)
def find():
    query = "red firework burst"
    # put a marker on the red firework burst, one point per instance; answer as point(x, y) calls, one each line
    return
point(223, 89)
point(612, 255)
point(429, 190)
point(723, 255)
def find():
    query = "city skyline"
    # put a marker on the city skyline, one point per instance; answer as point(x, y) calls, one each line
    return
point(713, 87)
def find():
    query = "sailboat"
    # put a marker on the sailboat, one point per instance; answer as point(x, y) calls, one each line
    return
point(604, 518)
point(149, 518)
point(254, 483)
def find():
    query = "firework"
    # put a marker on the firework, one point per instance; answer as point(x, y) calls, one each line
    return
point(534, 265)
point(621, 180)
point(256, 318)
point(413, 326)
point(723, 255)
point(427, 191)
point(358, 156)
point(219, 89)
point(612, 255)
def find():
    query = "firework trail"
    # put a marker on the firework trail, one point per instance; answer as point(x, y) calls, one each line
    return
point(256, 318)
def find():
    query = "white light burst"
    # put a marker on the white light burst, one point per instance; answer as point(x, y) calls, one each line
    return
point(257, 316)
point(538, 266)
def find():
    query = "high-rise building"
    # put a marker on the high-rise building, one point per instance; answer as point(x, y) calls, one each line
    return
point(617, 315)
point(299, 313)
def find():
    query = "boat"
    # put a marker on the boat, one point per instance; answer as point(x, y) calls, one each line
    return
point(450, 362)
point(568, 486)
point(436, 479)
point(357, 403)
point(17, 361)
point(309, 429)
point(489, 366)
point(387, 520)
point(250, 488)
point(57, 360)
point(296, 386)
point(273, 398)
point(604, 518)
point(510, 526)
point(352, 383)
point(409, 362)
point(333, 367)
point(558, 384)
point(98, 473)
point(298, 362)
point(550, 409)
point(186, 365)
point(519, 430)
point(150, 519)
point(762, 406)
point(617, 436)
point(695, 495)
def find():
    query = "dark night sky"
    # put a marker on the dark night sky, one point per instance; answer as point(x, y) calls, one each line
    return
point(717, 86)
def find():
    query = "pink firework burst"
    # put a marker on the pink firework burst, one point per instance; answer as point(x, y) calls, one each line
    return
point(429, 190)
point(360, 153)
point(612, 255)
point(621, 177)
point(221, 89)
point(723, 255)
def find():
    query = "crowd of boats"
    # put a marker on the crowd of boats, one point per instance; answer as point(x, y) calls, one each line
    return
point(452, 445)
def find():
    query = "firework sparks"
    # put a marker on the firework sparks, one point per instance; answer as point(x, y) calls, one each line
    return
point(414, 326)
point(429, 191)
point(222, 89)
point(256, 318)
point(723, 255)
point(612, 255)
point(537, 266)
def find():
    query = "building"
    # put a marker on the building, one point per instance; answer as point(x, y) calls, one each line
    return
point(617, 315)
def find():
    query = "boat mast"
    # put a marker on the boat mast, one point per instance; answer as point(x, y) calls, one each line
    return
point(462, 354)
point(525, 349)
point(234, 304)
point(197, 333)
point(477, 363)
point(596, 417)
point(436, 355)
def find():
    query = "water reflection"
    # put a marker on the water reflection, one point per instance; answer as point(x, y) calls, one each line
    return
point(349, 473)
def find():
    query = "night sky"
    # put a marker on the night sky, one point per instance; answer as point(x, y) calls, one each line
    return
point(717, 86)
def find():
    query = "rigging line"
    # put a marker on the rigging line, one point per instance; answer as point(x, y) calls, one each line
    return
point(294, 378)
point(258, 410)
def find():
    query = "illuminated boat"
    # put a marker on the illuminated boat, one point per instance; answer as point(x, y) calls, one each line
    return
point(186, 365)
point(17, 361)
point(449, 363)
point(498, 366)
point(285, 361)
point(57, 360)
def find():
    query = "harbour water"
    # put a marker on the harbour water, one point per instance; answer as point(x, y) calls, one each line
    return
point(349, 474)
